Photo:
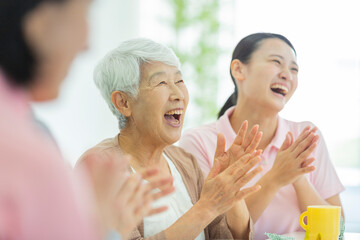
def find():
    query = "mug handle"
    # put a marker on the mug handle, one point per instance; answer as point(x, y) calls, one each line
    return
point(301, 220)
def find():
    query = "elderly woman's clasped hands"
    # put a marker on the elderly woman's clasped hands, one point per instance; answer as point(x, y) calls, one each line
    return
point(231, 171)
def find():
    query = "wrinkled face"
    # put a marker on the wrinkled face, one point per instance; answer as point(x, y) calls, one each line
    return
point(271, 76)
point(58, 33)
point(158, 111)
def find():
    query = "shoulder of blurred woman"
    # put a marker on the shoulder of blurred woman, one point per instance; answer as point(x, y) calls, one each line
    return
point(35, 178)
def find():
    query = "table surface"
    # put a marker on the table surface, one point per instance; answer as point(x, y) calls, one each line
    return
point(301, 235)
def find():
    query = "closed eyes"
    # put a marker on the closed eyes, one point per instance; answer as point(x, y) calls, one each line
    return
point(276, 61)
point(164, 82)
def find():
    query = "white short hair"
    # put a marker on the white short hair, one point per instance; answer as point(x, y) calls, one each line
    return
point(119, 70)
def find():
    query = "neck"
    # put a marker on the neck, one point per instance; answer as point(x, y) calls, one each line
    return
point(144, 153)
point(267, 120)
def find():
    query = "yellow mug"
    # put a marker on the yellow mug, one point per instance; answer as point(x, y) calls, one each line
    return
point(323, 222)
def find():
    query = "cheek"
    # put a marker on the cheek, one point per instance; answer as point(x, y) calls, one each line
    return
point(294, 84)
point(150, 107)
point(186, 96)
point(77, 37)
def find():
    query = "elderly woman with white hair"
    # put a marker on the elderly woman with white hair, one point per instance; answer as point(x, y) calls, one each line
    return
point(142, 83)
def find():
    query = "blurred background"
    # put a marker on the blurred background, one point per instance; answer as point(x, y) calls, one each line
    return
point(203, 33)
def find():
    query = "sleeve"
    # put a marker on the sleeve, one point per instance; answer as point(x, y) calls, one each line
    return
point(218, 229)
point(325, 178)
point(192, 142)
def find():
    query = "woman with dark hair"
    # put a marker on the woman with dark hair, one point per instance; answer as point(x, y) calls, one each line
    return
point(39, 198)
point(297, 173)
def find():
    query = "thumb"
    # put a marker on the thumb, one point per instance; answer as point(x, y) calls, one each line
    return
point(220, 149)
point(215, 169)
point(220, 145)
point(287, 142)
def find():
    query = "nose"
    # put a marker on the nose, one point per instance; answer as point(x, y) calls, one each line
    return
point(176, 93)
point(285, 74)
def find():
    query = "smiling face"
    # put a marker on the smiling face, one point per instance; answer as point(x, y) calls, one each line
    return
point(270, 78)
point(157, 113)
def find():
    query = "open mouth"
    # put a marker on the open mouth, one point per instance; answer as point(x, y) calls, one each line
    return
point(279, 89)
point(173, 116)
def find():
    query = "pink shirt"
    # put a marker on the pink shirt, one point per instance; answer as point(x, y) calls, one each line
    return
point(38, 196)
point(282, 214)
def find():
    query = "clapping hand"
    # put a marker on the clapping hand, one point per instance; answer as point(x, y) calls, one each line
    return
point(243, 144)
point(293, 161)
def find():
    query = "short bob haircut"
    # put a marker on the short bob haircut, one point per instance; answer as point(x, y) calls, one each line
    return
point(119, 70)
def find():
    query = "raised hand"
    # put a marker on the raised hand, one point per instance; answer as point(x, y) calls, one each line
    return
point(134, 200)
point(243, 144)
point(292, 161)
point(222, 190)
point(123, 199)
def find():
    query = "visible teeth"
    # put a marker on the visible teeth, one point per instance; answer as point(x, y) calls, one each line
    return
point(177, 112)
point(279, 86)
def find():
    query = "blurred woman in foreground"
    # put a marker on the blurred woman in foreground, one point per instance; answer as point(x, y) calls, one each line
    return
point(39, 196)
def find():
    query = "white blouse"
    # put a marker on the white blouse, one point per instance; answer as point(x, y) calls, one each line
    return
point(178, 204)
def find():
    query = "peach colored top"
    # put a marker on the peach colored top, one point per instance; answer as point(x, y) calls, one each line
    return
point(38, 196)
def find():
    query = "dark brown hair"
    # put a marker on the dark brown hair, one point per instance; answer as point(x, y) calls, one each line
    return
point(243, 52)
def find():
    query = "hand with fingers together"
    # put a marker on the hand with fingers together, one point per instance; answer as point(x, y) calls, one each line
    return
point(292, 161)
point(134, 200)
point(245, 143)
point(222, 188)
point(123, 199)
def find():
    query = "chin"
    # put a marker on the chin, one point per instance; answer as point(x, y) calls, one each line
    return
point(44, 95)
point(47, 87)
point(173, 139)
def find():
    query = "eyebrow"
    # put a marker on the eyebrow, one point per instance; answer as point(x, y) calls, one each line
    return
point(155, 75)
point(162, 73)
point(279, 56)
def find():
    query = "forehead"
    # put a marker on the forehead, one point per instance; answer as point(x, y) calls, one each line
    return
point(157, 69)
point(274, 46)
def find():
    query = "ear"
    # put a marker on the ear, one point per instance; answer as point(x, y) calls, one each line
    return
point(237, 69)
point(121, 102)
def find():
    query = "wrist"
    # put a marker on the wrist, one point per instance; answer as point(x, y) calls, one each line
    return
point(206, 212)
point(300, 182)
point(269, 183)
point(237, 219)
point(238, 211)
